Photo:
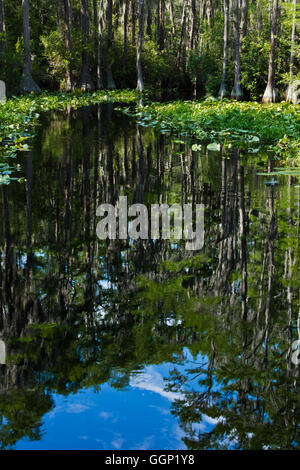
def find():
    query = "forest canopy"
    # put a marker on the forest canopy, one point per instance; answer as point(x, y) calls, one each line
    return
point(239, 48)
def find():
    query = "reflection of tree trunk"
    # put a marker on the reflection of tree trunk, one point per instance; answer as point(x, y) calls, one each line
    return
point(29, 197)
point(68, 187)
point(88, 290)
point(140, 150)
point(271, 250)
point(243, 239)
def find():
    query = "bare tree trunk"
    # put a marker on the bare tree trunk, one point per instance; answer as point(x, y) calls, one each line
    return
point(244, 20)
point(2, 30)
point(149, 21)
point(182, 32)
point(237, 91)
point(110, 81)
point(140, 80)
point(2, 17)
point(133, 22)
point(270, 92)
point(86, 80)
point(27, 84)
point(193, 24)
point(125, 34)
point(290, 90)
point(171, 9)
point(100, 44)
point(68, 26)
point(223, 91)
point(161, 33)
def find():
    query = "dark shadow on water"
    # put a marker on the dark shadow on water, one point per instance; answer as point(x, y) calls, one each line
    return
point(77, 312)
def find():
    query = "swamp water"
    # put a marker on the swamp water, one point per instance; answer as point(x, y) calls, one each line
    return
point(144, 345)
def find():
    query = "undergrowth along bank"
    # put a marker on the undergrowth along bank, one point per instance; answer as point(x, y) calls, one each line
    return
point(253, 126)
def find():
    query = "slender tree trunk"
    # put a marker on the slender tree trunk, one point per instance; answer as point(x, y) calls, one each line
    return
point(244, 20)
point(27, 84)
point(140, 80)
point(2, 31)
point(223, 89)
point(86, 80)
point(290, 90)
point(95, 23)
point(100, 44)
point(125, 34)
point(133, 22)
point(171, 9)
point(68, 26)
point(110, 81)
point(193, 24)
point(237, 91)
point(270, 92)
point(149, 21)
point(182, 33)
point(161, 33)
point(2, 17)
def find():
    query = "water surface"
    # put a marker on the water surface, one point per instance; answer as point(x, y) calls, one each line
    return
point(144, 345)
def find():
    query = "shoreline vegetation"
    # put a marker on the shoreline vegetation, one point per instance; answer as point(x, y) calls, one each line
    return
point(223, 124)
point(219, 124)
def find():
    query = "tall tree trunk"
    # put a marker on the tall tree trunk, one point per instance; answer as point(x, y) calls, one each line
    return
point(193, 24)
point(110, 81)
point(171, 10)
point(290, 90)
point(100, 44)
point(125, 33)
point(86, 83)
point(244, 20)
point(27, 84)
point(182, 34)
point(133, 22)
point(223, 90)
point(68, 26)
point(140, 80)
point(95, 22)
point(2, 17)
point(161, 33)
point(2, 31)
point(270, 92)
point(149, 21)
point(237, 91)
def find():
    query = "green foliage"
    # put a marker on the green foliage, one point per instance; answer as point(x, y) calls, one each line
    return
point(253, 126)
point(19, 117)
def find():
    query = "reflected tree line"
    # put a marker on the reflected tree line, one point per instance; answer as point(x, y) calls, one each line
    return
point(77, 312)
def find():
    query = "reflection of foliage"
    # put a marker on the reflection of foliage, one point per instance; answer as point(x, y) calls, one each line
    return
point(78, 313)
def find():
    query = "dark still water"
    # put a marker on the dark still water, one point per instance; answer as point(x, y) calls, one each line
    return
point(128, 344)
